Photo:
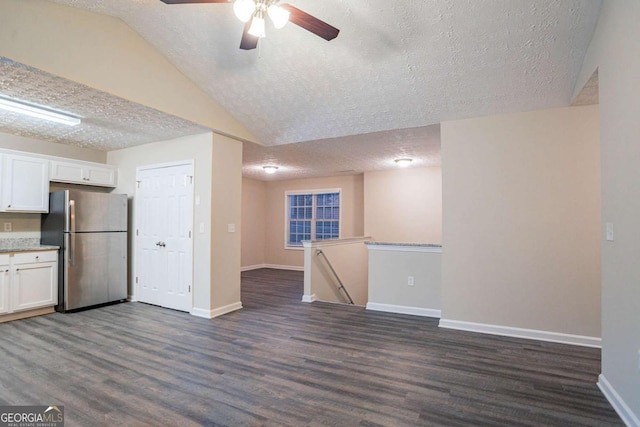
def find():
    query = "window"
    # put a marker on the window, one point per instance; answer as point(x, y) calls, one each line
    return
point(312, 215)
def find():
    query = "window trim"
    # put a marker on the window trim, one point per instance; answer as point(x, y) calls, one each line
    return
point(313, 221)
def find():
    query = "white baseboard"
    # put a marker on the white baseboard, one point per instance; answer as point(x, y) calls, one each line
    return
point(210, 314)
point(623, 410)
point(284, 267)
point(132, 298)
point(309, 298)
point(252, 267)
point(532, 334)
point(274, 266)
point(404, 309)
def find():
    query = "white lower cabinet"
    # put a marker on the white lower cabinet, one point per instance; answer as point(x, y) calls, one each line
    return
point(29, 281)
point(4, 283)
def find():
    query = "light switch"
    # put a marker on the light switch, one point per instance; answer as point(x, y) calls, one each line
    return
point(201, 227)
point(609, 231)
point(231, 228)
point(197, 200)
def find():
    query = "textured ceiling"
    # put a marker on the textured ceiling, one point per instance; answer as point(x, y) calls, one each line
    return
point(108, 122)
point(347, 155)
point(395, 64)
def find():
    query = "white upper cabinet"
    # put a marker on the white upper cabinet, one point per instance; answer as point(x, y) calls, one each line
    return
point(83, 173)
point(25, 184)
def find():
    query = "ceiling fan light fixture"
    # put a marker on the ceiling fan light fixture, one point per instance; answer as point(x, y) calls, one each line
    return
point(257, 26)
point(278, 15)
point(403, 163)
point(270, 169)
point(244, 9)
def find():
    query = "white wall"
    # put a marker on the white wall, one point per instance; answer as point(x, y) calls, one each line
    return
point(32, 145)
point(389, 271)
point(199, 149)
point(218, 186)
point(521, 224)
point(404, 205)
point(254, 207)
point(614, 51)
point(226, 225)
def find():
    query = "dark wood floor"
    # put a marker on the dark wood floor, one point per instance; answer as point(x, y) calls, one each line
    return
point(281, 362)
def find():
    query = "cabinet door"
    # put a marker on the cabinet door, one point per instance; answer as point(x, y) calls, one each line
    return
point(34, 285)
point(83, 173)
point(67, 172)
point(97, 175)
point(25, 184)
point(4, 283)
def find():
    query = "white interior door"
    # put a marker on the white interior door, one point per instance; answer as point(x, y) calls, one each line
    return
point(164, 224)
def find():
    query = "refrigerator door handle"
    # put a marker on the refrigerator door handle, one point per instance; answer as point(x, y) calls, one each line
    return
point(72, 234)
point(72, 214)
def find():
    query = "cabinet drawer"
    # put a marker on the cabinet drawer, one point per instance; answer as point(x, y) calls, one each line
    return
point(34, 257)
point(4, 259)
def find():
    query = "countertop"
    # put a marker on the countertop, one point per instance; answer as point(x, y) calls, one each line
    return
point(24, 245)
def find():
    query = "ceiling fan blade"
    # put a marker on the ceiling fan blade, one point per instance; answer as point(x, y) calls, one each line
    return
point(193, 1)
point(311, 23)
point(248, 41)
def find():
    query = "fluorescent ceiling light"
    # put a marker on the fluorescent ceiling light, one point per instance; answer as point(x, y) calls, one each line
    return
point(270, 169)
point(37, 112)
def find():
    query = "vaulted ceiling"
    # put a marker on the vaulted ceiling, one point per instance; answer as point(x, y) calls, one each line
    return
point(396, 65)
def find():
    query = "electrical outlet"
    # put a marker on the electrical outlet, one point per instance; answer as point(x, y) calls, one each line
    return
point(7, 226)
point(231, 228)
point(410, 281)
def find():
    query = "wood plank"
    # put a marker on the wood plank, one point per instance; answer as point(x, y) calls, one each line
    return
point(281, 362)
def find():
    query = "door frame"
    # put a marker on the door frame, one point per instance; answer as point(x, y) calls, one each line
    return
point(136, 209)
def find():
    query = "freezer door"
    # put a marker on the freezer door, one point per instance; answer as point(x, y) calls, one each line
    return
point(95, 269)
point(90, 211)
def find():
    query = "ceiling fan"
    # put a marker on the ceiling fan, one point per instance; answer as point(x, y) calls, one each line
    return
point(253, 12)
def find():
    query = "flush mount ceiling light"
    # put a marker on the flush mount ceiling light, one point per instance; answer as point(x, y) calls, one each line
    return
point(37, 112)
point(403, 163)
point(270, 169)
point(253, 12)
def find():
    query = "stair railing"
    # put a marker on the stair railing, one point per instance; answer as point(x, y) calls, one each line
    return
point(341, 287)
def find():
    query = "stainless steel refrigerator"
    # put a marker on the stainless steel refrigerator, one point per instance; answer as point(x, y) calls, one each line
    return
point(91, 230)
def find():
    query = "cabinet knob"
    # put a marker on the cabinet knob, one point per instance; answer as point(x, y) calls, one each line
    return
point(37, 257)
